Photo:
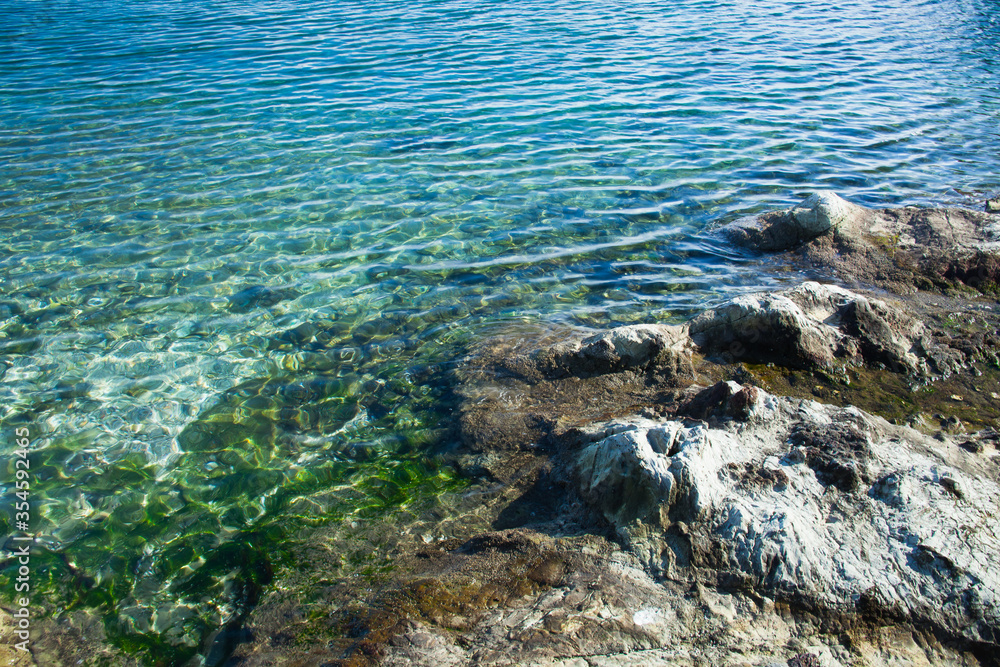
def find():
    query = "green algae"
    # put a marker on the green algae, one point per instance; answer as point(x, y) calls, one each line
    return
point(167, 556)
point(965, 400)
point(209, 579)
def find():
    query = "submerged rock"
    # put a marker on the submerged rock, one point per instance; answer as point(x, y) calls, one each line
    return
point(259, 296)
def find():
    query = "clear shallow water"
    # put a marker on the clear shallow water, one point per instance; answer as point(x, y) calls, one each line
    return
point(240, 243)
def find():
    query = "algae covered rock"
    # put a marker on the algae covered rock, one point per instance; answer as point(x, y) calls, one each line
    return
point(899, 249)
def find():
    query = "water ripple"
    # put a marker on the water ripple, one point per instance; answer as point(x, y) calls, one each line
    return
point(211, 210)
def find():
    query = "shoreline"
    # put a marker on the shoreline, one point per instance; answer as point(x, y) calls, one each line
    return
point(622, 488)
point(604, 472)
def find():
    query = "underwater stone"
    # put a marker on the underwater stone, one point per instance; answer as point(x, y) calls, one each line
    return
point(258, 296)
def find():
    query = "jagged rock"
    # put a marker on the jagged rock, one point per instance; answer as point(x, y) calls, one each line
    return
point(818, 325)
point(993, 205)
point(515, 398)
point(862, 510)
point(788, 325)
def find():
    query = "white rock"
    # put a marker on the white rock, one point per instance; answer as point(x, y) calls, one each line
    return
point(820, 325)
point(921, 534)
point(823, 211)
point(646, 616)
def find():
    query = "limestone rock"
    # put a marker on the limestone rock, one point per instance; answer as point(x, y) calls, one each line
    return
point(828, 506)
point(778, 325)
point(899, 249)
point(821, 213)
point(516, 397)
point(817, 325)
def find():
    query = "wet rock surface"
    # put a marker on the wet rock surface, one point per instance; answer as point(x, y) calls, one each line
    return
point(901, 250)
point(517, 397)
point(821, 213)
point(807, 477)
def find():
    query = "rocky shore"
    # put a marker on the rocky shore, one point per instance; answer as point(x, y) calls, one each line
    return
point(806, 477)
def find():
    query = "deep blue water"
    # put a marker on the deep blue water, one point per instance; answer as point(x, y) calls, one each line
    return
point(240, 242)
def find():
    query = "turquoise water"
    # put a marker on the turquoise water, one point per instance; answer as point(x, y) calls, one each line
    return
point(242, 242)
